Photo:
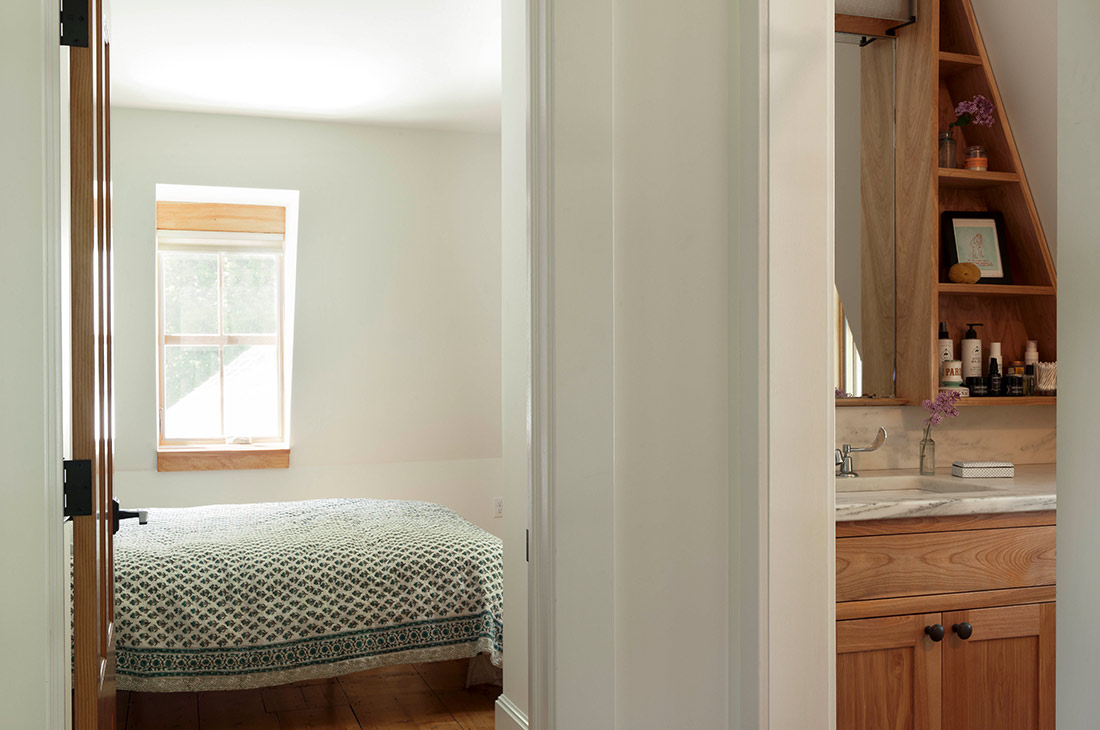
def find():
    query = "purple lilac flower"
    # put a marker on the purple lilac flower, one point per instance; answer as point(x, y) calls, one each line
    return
point(978, 110)
point(940, 408)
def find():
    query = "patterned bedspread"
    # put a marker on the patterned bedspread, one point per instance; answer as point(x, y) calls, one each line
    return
point(240, 596)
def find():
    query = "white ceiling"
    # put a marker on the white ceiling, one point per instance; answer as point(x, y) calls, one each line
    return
point(429, 63)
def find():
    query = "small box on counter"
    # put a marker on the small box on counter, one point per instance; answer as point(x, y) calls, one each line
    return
point(983, 469)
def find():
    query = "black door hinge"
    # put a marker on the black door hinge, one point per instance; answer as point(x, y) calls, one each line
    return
point(78, 487)
point(527, 540)
point(74, 23)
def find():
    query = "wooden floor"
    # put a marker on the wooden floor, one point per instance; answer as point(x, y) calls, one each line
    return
point(410, 697)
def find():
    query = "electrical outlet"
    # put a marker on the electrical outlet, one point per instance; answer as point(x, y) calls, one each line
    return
point(498, 506)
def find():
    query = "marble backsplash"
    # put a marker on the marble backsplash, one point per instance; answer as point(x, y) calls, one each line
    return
point(1020, 434)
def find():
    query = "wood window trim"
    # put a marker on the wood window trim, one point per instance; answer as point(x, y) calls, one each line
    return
point(220, 217)
point(223, 458)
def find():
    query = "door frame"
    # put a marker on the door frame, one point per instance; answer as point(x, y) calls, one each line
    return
point(540, 575)
point(782, 557)
point(56, 225)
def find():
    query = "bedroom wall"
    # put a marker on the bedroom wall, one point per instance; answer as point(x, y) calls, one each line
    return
point(396, 387)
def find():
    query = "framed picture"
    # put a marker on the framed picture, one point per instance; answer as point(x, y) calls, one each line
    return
point(977, 237)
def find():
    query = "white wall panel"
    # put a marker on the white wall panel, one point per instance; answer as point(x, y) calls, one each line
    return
point(1079, 351)
point(30, 438)
point(671, 131)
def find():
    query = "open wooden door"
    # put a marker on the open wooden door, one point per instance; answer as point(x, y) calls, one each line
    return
point(85, 31)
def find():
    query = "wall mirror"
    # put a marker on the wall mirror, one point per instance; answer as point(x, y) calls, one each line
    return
point(864, 217)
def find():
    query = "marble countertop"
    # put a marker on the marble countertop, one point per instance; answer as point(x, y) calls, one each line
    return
point(898, 493)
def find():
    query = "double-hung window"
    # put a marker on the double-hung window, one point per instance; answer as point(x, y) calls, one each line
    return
point(220, 312)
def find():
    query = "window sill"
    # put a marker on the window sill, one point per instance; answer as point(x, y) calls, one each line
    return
point(222, 458)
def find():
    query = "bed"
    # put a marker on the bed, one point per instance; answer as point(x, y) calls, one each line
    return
point(244, 596)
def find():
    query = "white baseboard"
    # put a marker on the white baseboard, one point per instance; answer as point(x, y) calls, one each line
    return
point(509, 717)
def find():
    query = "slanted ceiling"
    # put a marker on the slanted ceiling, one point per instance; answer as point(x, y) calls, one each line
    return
point(896, 9)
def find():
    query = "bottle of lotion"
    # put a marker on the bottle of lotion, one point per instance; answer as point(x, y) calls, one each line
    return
point(995, 354)
point(946, 347)
point(1031, 354)
point(971, 354)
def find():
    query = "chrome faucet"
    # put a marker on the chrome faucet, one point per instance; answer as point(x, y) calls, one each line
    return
point(844, 455)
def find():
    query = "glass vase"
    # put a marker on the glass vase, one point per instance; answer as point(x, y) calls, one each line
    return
point(927, 457)
point(948, 156)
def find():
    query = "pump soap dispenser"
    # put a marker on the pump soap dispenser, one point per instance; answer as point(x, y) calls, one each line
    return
point(971, 352)
point(946, 347)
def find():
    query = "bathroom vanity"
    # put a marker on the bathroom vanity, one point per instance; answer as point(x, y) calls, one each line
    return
point(945, 591)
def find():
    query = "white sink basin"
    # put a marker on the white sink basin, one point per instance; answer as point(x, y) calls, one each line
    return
point(913, 484)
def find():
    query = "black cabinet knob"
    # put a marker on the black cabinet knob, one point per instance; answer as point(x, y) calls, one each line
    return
point(935, 632)
point(964, 630)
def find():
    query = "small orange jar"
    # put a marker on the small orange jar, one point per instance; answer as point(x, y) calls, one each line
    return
point(976, 159)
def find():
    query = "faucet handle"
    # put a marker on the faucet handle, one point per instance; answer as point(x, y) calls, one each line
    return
point(880, 439)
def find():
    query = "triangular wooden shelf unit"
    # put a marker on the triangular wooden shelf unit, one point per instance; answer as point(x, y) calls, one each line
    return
point(942, 61)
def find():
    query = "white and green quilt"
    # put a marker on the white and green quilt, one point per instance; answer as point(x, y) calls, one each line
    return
point(240, 596)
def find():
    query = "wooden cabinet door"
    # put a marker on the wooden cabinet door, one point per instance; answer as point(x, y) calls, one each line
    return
point(888, 674)
point(1003, 675)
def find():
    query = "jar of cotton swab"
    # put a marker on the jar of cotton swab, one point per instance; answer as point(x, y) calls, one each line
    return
point(1046, 379)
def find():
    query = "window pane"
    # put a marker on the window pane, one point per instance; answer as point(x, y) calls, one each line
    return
point(250, 291)
point(251, 391)
point(192, 392)
point(190, 293)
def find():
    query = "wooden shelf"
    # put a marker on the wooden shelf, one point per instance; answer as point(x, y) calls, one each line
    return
point(946, 63)
point(997, 290)
point(859, 25)
point(951, 177)
point(956, 63)
point(871, 402)
point(1030, 400)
